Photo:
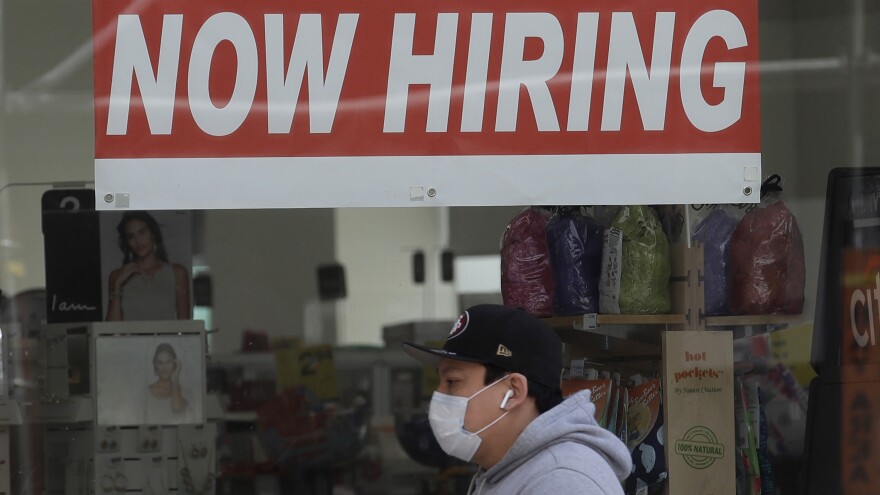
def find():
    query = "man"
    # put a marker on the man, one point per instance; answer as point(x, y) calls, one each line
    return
point(499, 405)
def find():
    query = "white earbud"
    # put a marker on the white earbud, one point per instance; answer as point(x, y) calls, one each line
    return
point(507, 396)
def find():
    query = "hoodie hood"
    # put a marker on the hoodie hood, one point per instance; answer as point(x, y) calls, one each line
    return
point(573, 420)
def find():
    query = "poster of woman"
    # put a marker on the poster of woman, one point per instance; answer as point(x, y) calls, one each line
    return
point(146, 261)
point(149, 380)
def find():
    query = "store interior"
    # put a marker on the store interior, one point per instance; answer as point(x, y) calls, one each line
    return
point(260, 295)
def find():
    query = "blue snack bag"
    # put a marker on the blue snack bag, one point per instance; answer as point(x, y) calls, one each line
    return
point(575, 243)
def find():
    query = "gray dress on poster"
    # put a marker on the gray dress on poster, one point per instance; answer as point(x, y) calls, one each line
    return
point(150, 298)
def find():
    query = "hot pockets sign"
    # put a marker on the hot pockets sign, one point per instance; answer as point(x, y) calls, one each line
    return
point(265, 103)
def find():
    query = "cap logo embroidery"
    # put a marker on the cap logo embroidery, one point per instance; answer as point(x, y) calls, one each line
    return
point(460, 325)
point(504, 351)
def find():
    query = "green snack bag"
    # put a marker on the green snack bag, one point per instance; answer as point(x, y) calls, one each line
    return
point(645, 266)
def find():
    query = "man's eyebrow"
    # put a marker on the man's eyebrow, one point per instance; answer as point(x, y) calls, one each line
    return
point(443, 368)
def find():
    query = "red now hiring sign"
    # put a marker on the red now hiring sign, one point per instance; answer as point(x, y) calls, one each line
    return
point(269, 103)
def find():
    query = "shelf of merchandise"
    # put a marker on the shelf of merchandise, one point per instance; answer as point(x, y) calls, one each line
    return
point(631, 342)
point(753, 320)
point(67, 410)
point(644, 329)
point(744, 326)
point(634, 342)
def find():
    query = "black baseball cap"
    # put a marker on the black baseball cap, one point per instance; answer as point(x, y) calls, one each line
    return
point(509, 338)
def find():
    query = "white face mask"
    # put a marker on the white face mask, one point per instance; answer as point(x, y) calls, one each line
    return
point(446, 415)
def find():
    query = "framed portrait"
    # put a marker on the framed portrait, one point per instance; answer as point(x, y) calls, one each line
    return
point(150, 380)
point(146, 265)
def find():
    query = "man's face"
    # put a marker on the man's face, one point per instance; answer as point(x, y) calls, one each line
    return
point(463, 379)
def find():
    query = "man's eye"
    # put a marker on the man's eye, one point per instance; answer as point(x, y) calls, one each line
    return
point(452, 382)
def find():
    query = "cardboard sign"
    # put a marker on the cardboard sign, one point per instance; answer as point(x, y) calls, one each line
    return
point(311, 367)
point(698, 380)
point(224, 104)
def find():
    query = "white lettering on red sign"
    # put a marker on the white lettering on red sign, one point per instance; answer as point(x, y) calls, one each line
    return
point(868, 299)
point(625, 64)
point(307, 55)
point(728, 75)
point(345, 103)
point(157, 89)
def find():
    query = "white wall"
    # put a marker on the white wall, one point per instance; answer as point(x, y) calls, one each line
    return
point(262, 265)
point(45, 145)
point(375, 245)
point(46, 135)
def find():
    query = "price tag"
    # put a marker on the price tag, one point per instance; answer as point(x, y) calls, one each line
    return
point(311, 367)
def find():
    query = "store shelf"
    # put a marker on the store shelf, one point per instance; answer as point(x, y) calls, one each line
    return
point(753, 320)
point(750, 325)
point(581, 321)
point(79, 409)
point(645, 329)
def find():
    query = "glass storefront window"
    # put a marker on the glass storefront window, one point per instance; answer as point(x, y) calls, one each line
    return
point(306, 389)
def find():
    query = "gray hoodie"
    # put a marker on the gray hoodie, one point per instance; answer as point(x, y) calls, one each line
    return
point(563, 451)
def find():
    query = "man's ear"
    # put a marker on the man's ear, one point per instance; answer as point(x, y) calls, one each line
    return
point(519, 388)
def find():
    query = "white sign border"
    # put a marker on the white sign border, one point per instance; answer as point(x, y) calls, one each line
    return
point(398, 181)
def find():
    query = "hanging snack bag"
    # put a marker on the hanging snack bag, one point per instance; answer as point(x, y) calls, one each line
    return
point(715, 232)
point(609, 279)
point(767, 267)
point(575, 243)
point(526, 273)
point(645, 436)
point(645, 266)
point(600, 394)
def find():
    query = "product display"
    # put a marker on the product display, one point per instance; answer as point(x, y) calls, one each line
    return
point(748, 469)
point(526, 273)
point(600, 394)
point(767, 267)
point(113, 478)
point(560, 264)
point(195, 455)
point(155, 472)
point(609, 279)
point(768, 486)
point(645, 436)
point(575, 242)
point(698, 411)
point(645, 265)
point(714, 233)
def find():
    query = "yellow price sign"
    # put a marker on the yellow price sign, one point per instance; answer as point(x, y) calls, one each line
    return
point(310, 367)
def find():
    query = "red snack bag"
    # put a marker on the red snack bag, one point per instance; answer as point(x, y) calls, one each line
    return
point(767, 267)
point(526, 273)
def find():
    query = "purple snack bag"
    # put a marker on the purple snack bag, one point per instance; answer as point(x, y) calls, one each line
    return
point(715, 232)
point(575, 243)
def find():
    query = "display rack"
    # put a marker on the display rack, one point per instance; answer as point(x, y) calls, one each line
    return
point(634, 343)
point(88, 451)
point(589, 333)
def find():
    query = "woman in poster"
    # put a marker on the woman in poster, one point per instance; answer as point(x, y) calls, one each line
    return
point(147, 286)
point(166, 399)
